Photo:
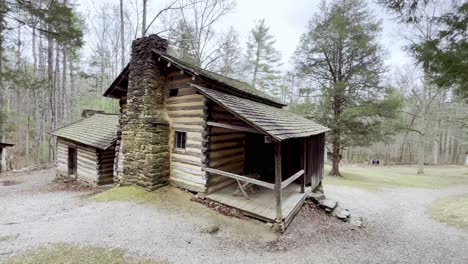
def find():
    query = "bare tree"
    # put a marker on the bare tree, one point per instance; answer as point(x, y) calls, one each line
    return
point(202, 16)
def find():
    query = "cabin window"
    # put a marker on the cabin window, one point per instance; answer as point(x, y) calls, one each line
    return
point(180, 139)
point(173, 92)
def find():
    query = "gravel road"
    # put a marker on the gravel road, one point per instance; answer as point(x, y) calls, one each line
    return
point(33, 214)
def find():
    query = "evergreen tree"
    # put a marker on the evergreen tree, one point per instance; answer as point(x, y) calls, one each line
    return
point(443, 55)
point(262, 59)
point(182, 47)
point(341, 53)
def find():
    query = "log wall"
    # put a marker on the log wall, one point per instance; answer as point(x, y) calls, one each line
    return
point(106, 165)
point(62, 158)
point(186, 113)
point(93, 166)
point(225, 149)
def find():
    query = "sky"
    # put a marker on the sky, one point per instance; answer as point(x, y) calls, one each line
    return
point(288, 20)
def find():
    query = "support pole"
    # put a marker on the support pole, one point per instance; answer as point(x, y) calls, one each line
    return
point(278, 179)
point(304, 164)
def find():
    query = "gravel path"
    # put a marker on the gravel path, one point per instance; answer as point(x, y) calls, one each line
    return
point(398, 229)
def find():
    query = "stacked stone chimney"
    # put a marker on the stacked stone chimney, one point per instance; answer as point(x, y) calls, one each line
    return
point(145, 130)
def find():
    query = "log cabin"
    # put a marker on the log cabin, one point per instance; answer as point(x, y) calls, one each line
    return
point(3, 156)
point(86, 149)
point(212, 135)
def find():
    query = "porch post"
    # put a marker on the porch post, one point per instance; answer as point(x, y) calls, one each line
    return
point(304, 164)
point(278, 178)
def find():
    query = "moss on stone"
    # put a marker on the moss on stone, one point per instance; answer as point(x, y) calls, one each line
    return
point(451, 210)
point(71, 254)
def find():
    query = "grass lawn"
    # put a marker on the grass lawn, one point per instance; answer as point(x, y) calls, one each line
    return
point(451, 210)
point(74, 254)
point(375, 177)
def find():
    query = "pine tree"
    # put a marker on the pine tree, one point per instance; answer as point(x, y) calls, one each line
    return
point(262, 59)
point(340, 52)
point(182, 47)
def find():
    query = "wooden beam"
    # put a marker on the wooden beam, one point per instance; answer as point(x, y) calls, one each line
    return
point(240, 128)
point(279, 211)
point(239, 177)
point(304, 164)
point(285, 183)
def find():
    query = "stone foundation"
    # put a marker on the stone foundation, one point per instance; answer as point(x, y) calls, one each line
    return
point(145, 130)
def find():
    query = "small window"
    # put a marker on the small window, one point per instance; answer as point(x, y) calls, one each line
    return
point(179, 139)
point(173, 92)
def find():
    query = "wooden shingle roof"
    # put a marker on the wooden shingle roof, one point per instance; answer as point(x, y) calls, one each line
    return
point(119, 86)
point(276, 122)
point(98, 131)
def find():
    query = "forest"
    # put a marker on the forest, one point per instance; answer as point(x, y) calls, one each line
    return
point(57, 57)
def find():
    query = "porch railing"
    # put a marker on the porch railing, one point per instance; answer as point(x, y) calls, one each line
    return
point(268, 185)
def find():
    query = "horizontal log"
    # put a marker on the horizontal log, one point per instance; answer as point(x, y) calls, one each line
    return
point(241, 178)
point(196, 170)
point(185, 99)
point(182, 108)
point(188, 177)
point(191, 113)
point(186, 161)
point(214, 163)
point(288, 181)
point(231, 167)
point(233, 127)
point(188, 153)
point(224, 153)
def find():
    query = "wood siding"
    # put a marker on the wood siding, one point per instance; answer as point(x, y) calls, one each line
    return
point(187, 113)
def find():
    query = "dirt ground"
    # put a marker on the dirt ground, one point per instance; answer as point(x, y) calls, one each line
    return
point(36, 213)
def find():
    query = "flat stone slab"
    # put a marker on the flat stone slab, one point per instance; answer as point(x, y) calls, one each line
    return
point(316, 197)
point(356, 222)
point(328, 204)
point(341, 213)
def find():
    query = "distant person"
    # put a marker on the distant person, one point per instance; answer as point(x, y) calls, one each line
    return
point(373, 162)
point(378, 162)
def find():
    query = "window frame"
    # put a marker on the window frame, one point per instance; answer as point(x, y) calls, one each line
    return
point(180, 139)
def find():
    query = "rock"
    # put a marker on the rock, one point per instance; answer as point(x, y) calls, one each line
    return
point(356, 222)
point(341, 213)
point(328, 204)
point(319, 188)
point(270, 224)
point(316, 197)
point(211, 229)
point(200, 196)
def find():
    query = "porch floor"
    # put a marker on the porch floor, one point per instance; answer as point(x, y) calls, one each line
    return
point(262, 204)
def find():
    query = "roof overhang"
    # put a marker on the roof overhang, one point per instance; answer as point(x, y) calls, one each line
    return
point(278, 123)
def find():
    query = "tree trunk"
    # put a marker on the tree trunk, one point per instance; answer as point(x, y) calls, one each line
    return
point(122, 37)
point(64, 87)
point(143, 26)
point(50, 79)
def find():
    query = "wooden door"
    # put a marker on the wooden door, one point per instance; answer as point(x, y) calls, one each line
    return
point(72, 161)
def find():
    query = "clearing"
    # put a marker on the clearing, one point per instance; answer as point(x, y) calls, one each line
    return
point(39, 219)
point(374, 177)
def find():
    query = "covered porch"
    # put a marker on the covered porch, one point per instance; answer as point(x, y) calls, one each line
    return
point(262, 204)
point(275, 154)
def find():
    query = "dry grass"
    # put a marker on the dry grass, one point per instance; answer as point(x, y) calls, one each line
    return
point(451, 210)
point(74, 254)
point(373, 177)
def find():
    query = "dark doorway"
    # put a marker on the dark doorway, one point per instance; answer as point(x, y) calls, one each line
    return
point(72, 161)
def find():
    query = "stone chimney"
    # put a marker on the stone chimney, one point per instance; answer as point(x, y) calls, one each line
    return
point(145, 130)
